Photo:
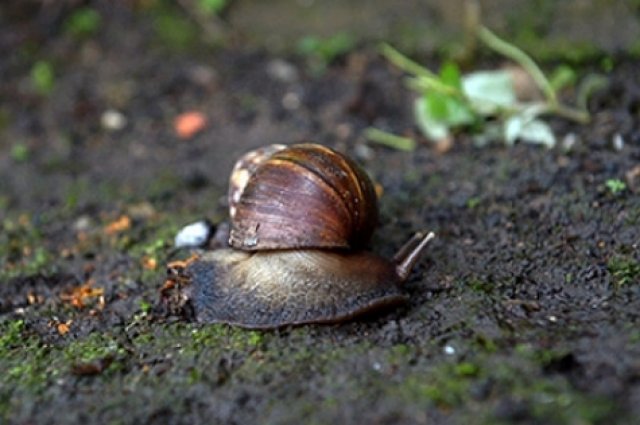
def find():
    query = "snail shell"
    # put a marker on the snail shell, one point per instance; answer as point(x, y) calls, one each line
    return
point(300, 218)
point(302, 196)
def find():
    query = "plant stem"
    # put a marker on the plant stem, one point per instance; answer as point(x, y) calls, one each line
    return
point(511, 51)
point(406, 64)
point(390, 140)
point(569, 113)
point(422, 85)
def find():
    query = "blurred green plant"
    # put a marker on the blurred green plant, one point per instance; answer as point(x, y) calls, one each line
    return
point(173, 29)
point(212, 7)
point(179, 24)
point(22, 251)
point(83, 22)
point(615, 186)
point(20, 152)
point(486, 103)
point(624, 270)
point(43, 77)
point(321, 52)
point(390, 140)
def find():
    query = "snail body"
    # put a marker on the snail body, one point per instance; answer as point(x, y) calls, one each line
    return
point(300, 219)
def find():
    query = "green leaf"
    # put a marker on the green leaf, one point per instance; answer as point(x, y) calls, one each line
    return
point(489, 91)
point(43, 77)
point(448, 109)
point(615, 186)
point(519, 127)
point(212, 6)
point(85, 21)
point(459, 113)
point(437, 112)
point(308, 45)
point(20, 152)
point(436, 106)
point(450, 75)
point(433, 128)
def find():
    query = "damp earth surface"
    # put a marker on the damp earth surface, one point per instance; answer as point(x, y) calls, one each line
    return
point(525, 309)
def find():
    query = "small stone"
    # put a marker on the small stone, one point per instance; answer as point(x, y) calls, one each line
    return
point(344, 131)
point(188, 124)
point(569, 141)
point(364, 152)
point(203, 75)
point(618, 142)
point(193, 235)
point(82, 223)
point(291, 101)
point(281, 70)
point(113, 120)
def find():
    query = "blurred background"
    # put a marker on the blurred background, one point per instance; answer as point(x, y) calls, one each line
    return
point(120, 121)
point(91, 89)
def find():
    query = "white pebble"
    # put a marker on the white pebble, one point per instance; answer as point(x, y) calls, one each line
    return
point(569, 141)
point(113, 120)
point(193, 235)
point(281, 70)
point(618, 142)
point(448, 349)
point(291, 101)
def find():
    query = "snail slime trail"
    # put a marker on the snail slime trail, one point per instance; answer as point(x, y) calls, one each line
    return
point(301, 218)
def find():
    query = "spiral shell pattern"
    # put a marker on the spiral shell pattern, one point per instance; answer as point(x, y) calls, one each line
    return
point(300, 196)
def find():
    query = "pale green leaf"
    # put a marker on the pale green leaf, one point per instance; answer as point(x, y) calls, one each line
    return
point(433, 128)
point(450, 75)
point(489, 91)
point(527, 130)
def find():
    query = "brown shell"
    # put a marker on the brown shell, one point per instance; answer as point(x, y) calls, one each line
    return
point(304, 195)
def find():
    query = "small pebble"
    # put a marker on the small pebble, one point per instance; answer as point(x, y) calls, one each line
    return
point(113, 120)
point(188, 124)
point(82, 223)
point(364, 152)
point(203, 75)
point(449, 350)
point(193, 235)
point(569, 141)
point(291, 101)
point(281, 70)
point(618, 142)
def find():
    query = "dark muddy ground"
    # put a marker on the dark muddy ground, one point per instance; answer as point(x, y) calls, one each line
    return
point(525, 310)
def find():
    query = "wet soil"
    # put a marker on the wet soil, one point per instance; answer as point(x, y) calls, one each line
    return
point(526, 308)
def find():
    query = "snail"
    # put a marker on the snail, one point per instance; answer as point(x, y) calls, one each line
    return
point(301, 218)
